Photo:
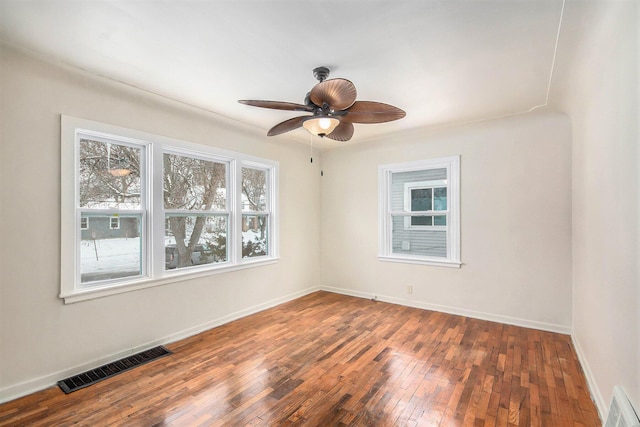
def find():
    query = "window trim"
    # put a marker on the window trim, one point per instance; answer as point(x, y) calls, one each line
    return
point(71, 290)
point(385, 214)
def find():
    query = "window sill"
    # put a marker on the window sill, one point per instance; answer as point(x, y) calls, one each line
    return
point(423, 261)
point(93, 292)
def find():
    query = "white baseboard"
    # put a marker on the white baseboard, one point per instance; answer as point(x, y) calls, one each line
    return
point(601, 405)
point(36, 384)
point(533, 324)
point(18, 390)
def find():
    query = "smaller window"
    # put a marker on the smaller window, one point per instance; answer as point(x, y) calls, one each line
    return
point(84, 223)
point(114, 223)
point(419, 212)
point(255, 212)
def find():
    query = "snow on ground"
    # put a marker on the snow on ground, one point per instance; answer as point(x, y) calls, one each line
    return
point(120, 257)
point(106, 258)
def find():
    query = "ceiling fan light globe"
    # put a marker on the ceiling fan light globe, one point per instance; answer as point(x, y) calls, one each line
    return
point(321, 125)
point(324, 123)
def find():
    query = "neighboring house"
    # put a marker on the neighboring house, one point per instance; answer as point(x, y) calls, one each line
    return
point(109, 227)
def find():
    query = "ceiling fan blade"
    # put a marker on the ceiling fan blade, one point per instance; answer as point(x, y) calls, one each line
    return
point(287, 125)
point(276, 105)
point(340, 94)
point(372, 112)
point(343, 132)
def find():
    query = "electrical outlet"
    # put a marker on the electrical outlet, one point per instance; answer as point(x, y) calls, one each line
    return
point(410, 289)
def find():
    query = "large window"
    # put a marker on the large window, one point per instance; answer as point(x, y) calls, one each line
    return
point(140, 210)
point(196, 210)
point(419, 212)
point(110, 181)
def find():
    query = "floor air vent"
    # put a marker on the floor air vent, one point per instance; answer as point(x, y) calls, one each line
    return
point(109, 370)
point(621, 413)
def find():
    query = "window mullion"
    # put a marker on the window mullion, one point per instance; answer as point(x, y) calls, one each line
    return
point(418, 213)
point(187, 212)
point(156, 213)
point(236, 183)
point(104, 212)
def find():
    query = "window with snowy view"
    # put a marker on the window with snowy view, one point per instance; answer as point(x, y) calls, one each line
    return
point(140, 209)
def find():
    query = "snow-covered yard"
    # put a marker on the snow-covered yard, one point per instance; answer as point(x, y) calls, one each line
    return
point(109, 258)
point(103, 259)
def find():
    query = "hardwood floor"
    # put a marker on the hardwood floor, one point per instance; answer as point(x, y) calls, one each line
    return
point(328, 359)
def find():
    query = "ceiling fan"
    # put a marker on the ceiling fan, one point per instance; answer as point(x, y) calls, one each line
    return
point(334, 109)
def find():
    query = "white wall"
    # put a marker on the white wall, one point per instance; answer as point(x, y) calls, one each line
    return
point(41, 339)
point(516, 229)
point(550, 225)
point(597, 85)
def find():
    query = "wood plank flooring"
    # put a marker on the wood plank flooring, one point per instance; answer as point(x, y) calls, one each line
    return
point(333, 360)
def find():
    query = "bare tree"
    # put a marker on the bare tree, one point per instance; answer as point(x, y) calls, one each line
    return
point(254, 187)
point(109, 175)
point(254, 190)
point(191, 184)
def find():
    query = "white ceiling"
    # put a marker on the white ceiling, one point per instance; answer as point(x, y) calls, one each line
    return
point(442, 61)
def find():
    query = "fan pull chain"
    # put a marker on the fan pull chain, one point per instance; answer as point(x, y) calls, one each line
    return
point(320, 163)
point(311, 152)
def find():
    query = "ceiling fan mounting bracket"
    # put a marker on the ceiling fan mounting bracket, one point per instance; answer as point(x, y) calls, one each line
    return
point(321, 73)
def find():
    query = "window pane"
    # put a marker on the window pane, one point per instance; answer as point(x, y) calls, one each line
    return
point(421, 220)
point(412, 241)
point(440, 220)
point(421, 199)
point(255, 233)
point(440, 199)
point(108, 253)
point(254, 190)
point(109, 175)
point(194, 184)
point(412, 178)
point(195, 240)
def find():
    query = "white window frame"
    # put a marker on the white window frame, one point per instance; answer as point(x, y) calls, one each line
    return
point(117, 225)
point(386, 214)
point(228, 211)
point(153, 226)
point(419, 185)
point(79, 134)
point(266, 213)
